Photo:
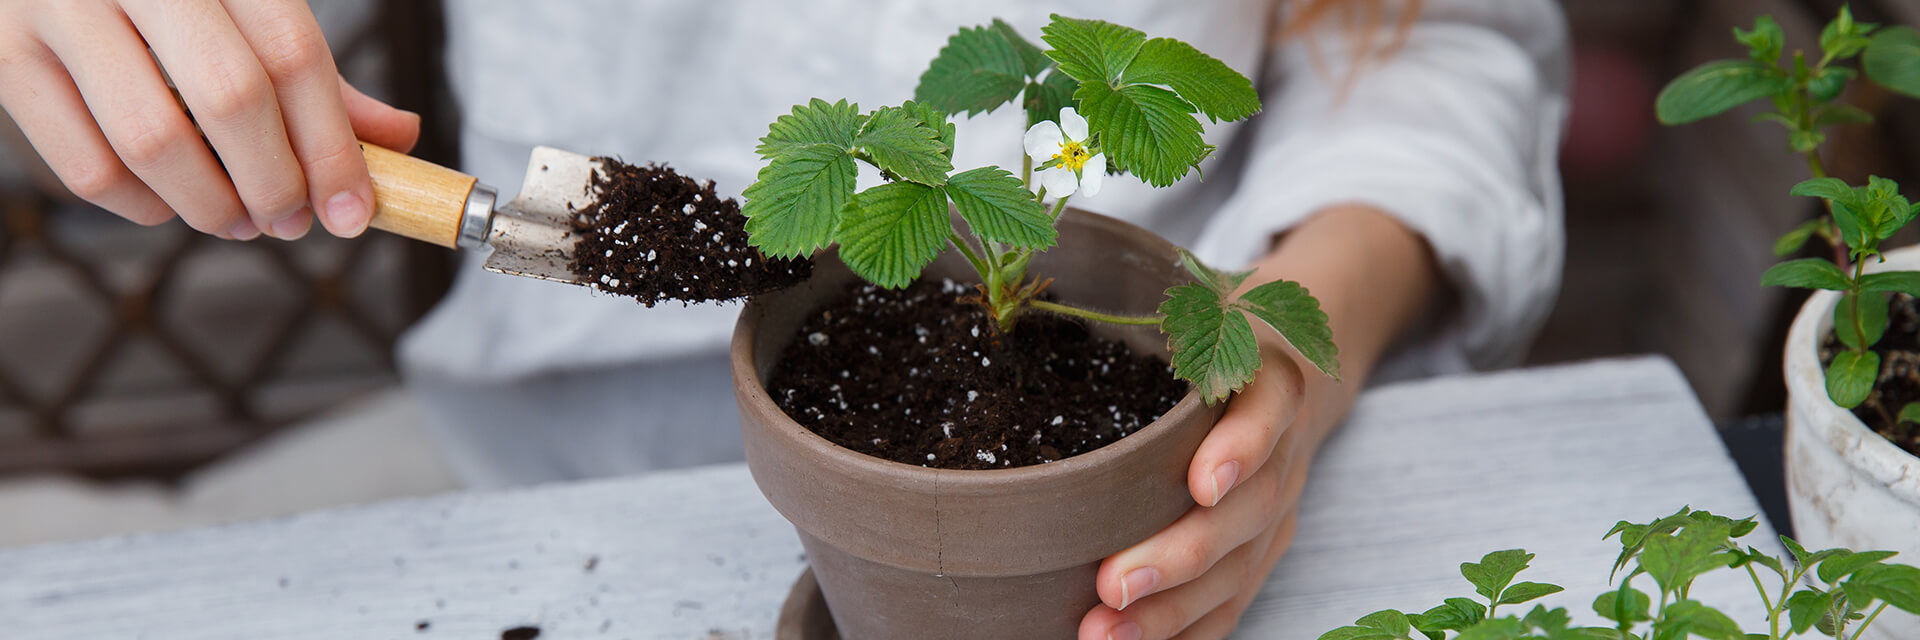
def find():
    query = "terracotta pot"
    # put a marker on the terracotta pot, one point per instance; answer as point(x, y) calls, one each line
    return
point(1846, 485)
point(903, 551)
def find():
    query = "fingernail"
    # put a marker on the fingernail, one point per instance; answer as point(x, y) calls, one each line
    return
point(294, 225)
point(1124, 631)
point(347, 213)
point(1138, 583)
point(1223, 478)
point(243, 230)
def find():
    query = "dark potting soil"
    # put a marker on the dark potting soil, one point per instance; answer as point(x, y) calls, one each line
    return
point(919, 376)
point(1899, 381)
point(652, 234)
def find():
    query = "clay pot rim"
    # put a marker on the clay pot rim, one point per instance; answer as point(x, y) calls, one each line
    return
point(1866, 451)
point(960, 481)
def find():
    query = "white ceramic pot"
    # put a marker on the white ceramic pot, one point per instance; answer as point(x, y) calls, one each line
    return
point(1846, 485)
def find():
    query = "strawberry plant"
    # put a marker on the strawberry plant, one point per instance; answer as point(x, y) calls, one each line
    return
point(1102, 99)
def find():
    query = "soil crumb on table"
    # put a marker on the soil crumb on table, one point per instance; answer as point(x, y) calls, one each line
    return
point(919, 376)
point(1899, 381)
point(520, 633)
point(652, 234)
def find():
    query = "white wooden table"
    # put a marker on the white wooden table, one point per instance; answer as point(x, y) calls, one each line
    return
point(1425, 475)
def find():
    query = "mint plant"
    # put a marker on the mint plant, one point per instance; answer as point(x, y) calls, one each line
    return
point(1104, 99)
point(1805, 98)
point(1835, 592)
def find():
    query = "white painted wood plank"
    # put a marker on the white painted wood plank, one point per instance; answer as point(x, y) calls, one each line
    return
point(1396, 503)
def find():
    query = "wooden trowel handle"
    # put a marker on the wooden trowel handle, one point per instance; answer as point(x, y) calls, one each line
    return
point(416, 198)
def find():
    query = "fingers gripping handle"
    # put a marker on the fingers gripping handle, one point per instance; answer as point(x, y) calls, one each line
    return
point(425, 201)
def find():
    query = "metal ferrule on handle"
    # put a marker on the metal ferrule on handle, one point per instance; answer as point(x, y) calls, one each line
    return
point(476, 219)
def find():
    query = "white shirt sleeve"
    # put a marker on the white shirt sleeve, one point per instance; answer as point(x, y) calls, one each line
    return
point(1455, 134)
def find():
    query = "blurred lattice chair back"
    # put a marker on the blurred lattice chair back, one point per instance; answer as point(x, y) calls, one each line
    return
point(128, 350)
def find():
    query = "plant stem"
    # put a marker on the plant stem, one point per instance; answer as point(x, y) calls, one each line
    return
point(1777, 608)
point(1059, 206)
point(1773, 617)
point(1026, 172)
point(1863, 623)
point(1089, 314)
point(961, 244)
point(1803, 114)
point(1859, 328)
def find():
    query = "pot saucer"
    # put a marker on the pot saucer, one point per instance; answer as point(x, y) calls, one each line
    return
point(804, 616)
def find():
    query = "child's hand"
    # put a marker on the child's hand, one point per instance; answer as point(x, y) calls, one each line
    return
point(1194, 579)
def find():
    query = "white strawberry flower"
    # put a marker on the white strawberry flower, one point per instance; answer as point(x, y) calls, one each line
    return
point(1076, 169)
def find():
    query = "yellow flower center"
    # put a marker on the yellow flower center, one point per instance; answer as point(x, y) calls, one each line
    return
point(1072, 156)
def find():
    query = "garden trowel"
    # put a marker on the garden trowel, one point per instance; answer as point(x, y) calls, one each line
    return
point(531, 235)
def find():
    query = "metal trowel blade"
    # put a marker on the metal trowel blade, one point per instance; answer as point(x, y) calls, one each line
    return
point(532, 235)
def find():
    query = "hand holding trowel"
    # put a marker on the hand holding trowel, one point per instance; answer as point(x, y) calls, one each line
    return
point(643, 232)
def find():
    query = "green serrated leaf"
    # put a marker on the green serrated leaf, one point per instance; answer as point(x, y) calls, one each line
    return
point(1805, 141)
point(1840, 566)
point(1892, 59)
point(1091, 50)
point(1871, 324)
point(1295, 314)
point(1624, 605)
point(815, 123)
point(1034, 60)
point(1850, 377)
point(1898, 585)
point(1840, 39)
point(795, 204)
point(935, 119)
point(1525, 591)
point(1393, 622)
point(1046, 97)
point(1836, 114)
point(1218, 90)
point(1507, 628)
point(1455, 614)
point(1212, 345)
point(1755, 556)
point(1805, 273)
point(1764, 41)
point(1673, 561)
point(1693, 617)
point(1492, 573)
point(900, 142)
point(1827, 83)
point(1147, 129)
point(1549, 620)
point(1357, 633)
point(1853, 229)
point(1715, 87)
point(1800, 554)
point(1910, 413)
point(979, 70)
point(1790, 242)
point(1828, 188)
point(890, 232)
point(1805, 607)
point(1000, 209)
point(1221, 282)
point(1907, 282)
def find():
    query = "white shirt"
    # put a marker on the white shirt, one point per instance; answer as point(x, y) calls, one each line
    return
point(1456, 135)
